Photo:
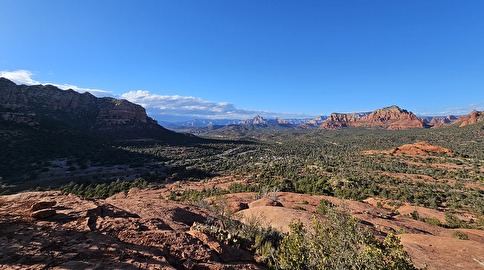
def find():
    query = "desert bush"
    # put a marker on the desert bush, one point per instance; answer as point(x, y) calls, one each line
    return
point(432, 221)
point(415, 215)
point(338, 242)
point(460, 235)
point(104, 190)
point(452, 221)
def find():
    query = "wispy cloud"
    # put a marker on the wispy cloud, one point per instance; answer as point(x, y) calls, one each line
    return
point(19, 77)
point(457, 110)
point(196, 107)
point(465, 110)
point(25, 77)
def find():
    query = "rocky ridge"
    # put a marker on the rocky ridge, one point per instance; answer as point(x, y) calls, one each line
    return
point(391, 118)
point(472, 118)
point(438, 121)
point(257, 120)
point(257, 123)
point(44, 105)
point(422, 148)
point(314, 123)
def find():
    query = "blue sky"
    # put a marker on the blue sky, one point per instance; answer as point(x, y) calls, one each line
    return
point(236, 59)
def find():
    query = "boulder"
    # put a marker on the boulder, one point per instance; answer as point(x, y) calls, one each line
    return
point(42, 214)
point(42, 205)
point(238, 206)
point(265, 202)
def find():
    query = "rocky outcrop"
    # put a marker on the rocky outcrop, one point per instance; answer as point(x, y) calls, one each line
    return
point(391, 118)
point(281, 121)
point(387, 118)
point(121, 233)
point(47, 98)
point(42, 205)
point(42, 105)
point(265, 202)
point(43, 214)
point(258, 120)
point(27, 118)
point(257, 123)
point(438, 121)
point(472, 118)
point(41, 210)
point(422, 148)
point(314, 123)
point(339, 120)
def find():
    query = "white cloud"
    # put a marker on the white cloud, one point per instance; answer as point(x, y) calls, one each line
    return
point(19, 77)
point(456, 110)
point(176, 105)
point(163, 107)
point(464, 110)
point(25, 77)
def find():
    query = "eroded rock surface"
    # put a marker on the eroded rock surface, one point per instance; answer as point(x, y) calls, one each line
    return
point(118, 233)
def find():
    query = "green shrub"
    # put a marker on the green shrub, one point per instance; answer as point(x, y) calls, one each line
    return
point(460, 235)
point(452, 221)
point(324, 207)
point(415, 214)
point(433, 221)
point(337, 242)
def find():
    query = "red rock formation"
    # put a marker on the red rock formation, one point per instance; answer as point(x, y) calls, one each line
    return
point(472, 118)
point(389, 118)
point(316, 122)
point(442, 121)
point(420, 149)
point(123, 233)
point(338, 120)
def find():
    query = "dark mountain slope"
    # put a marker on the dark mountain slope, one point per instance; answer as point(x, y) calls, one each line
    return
point(39, 124)
point(48, 107)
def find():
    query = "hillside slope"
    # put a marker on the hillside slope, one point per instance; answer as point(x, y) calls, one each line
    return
point(39, 124)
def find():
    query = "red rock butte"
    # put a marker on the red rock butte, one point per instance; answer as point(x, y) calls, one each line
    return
point(391, 118)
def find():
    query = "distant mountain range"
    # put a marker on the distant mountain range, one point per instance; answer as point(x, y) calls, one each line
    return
point(391, 118)
point(226, 122)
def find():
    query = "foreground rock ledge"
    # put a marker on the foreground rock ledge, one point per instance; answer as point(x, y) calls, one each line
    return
point(107, 234)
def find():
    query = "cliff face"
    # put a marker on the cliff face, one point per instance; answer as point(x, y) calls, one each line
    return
point(258, 120)
point(389, 118)
point(438, 121)
point(339, 120)
point(472, 118)
point(40, 104)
